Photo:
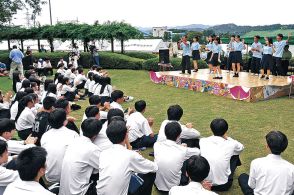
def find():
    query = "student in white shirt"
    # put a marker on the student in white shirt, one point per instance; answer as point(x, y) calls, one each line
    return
point(80, 80)
point(5, 104)
point(60, 69)
point(81, 160)
point(271, 174)
point(197, 170)
point(189, 135)
point(40, 67)
point(104, 90)
point(61, 61)
point(170, 158)
point(68, 72)
point(14, 105)
point(56, 141)
point(31, 165)
point(140, 132)
point(278, 47)
point(68, 91)
point(51, 91)
point(26, 83)
point(222, 153)
point(95, 100)
point(16, 81)
point(89, 80)
point(117, 164)
point(117, 98)
point(47, 67)
point(256, 49)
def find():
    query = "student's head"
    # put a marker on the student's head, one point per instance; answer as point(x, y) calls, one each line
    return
point(219, 127)
point(26, 83)
point(117, 132)
point(61, 59)
point(3, 152)
point(60, 78)
point(196, 39)
point(19, 95)
point(95, 100)
point(57, 118)
point(107, 80)
point(117, 96)
point(173, 131)
point(232, 37)
point(97, 78)
point(92, 111)
point(46, 83)
point(114, 112)
point(34, 86)
point(65, 81)
point(279, 37)
point(69, 66)
point(256, 38)
point(216, 40)
point(51, 88)
point(175, 113)
point(197, 168)
point(14, 47)
point(140, 106)
point(237, 38)
point(7, 128)
point(61, 66)
point(184, 38)
point(91, 128)
point(29, 90)
point(80, 70)
point(90, 76)
point(49, 103)
point(31, 164)
point(211, 37)
point(63, 104)
point(286, 48)
point(15, 79)
point(268, 41)
point(277, 142)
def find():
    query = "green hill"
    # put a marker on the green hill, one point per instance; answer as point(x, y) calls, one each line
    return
point(269, 33)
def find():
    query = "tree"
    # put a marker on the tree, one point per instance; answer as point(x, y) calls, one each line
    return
point(167, 36)
point(176, 37)
point(193, 34)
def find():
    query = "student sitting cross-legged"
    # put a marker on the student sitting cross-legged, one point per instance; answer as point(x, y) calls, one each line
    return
point(197, 170)
point(31, 166)
point(140, 132)
point(56, 141)
point(81, 160)
point(117, 164)
point(222, 153)
point(271, 174)
point(170, 158)
point(117, 97)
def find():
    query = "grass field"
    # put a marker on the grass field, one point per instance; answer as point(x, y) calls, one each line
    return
point(248, 122)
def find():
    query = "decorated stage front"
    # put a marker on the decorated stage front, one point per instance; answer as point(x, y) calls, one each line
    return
point(247, 87)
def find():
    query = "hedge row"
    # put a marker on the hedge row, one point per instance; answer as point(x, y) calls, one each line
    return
point(141, 55)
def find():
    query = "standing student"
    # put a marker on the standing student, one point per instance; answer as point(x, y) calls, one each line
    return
point(271, 174)
point(208, 49)
point(56, 141)
point(287, 56)
point(185, 46)
point(195, 47)
point(197, 170)
point(215, 58)
point(238, 47)
point(231, 53)
point(81, 160)
point(256, 49)
point(267, 58)
point(278, 54)
point(222, 153)
point(117, 164)
point(31, 166)
point(170, 158)
point(16, 57)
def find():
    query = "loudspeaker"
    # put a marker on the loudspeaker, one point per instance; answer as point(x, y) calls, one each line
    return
point(164, 56)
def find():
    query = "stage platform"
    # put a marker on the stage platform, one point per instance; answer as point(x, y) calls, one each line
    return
point(246, 87)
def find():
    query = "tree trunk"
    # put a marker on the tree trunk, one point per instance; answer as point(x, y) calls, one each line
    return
point(51, 45)
point(21, 44)
point(122, 46)
point(112, 45)
point(85, 46)
point(72, 42)
point(8, 41)
point(39, 45)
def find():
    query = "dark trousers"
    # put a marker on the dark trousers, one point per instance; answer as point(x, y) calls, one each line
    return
point(285, 66)
point(230, 60)
point(48, 71)
point(191, 143)
point(82, 85)
point(96, 60)
point(92, 188)
point(186, 64)
point(277, 67)
point(24, 134)
point(243, 183)
point(146, 188)
point(234, 163)
point(144, 141)
point(255, 65)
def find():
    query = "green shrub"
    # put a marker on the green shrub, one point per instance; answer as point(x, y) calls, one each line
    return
point(141, 55)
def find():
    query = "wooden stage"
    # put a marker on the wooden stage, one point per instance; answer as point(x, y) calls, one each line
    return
point(246, 87)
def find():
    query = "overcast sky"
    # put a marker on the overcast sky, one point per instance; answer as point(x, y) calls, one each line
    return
point(150, 13)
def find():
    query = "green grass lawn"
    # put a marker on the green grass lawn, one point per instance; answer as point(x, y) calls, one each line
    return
point(248, 122)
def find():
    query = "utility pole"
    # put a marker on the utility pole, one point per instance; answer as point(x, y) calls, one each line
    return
point(50, 12)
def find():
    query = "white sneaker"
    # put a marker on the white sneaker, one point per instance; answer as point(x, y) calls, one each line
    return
point(129, 99)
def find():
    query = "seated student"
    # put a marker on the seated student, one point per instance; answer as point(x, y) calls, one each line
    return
point(56, 141)
point(140, 132)
point(4, 105)
point(31, 166)
point(67, 91)
point(26, 83)
point(89, 79)
point(47, 67)
point(40, 67)
point(189, 135)
point(3, 71)
point(117, 164)
point(81, 160)
point(222, 153)
point(95, 100)
point(16, 81)
point(104, 90)
point(14, 104)
point(7, 130)
point(62, 61)
point(197, 170)
point(41, 124)
point(60, 69)
point(271, 174)
point(6, 176)
point(170, 158)
point(117, 97)
point(68, 71)
point(46, 84)
point(80, 79)
point(51, 91)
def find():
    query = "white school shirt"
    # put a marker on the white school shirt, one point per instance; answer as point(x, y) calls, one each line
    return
point(195, 46)
point(80, 161)
point(279, 48)
point(187, 133)
point(257, 54)
point(79, 79)
point(56, 141)
point(16, 147)
point(218, 152)
point(115, 105)
point(267, 50)
point(40, 65)
point(170, 156)
point(14, 110)
point(64, 63)
point(61, 71)
point(102, 140)
point(47, 65)
point(67, 88)
point(191, 189)
point(72, 77)
point(18, 86)
point(26, 119)
point(87, 84)
point(271, 175)
point(68, 73)
point(4, 106)
point(20, 187)
point(106, 93)
point(138, 126)
point(116, 166)
point(238, 46)
point(6, 177)
point(91, 85)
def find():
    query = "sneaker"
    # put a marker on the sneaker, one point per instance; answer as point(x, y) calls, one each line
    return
point(252, 74)
point(129, 99)
point(236, 75)
point(215, 77)
point(256, 74)
point(262, 77)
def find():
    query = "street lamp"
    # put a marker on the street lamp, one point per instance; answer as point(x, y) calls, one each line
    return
point(50, 12)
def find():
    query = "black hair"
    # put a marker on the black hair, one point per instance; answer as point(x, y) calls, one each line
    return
point(23, 103)
point(196, 38)
point(62, 103)
point(56, 118)
point(28, 74)
point(219, 127)
point(60, 65)
point(29, 90)
point(34, 84)
point(238, 36)
point(197, 168)
point(117, 118)
point(286, 46)
point(46, 83)
point(15, 79)
point(80, 70)
point(277, 142)
point(257, 36)
point(60, 78)
point(18, 96)
point(172, 130)
point(56, 76)
point(175, 113)
point(69, 66)
point(6, 125)
point(65, 80)
point(280, 35)
point(26, 83)
point(117, 94)
point(91, 111)
point(97, 78)
point(30, 161)
point(91, 127)
point(94, 100)
point(218, 40)
point(104, 82)
point(270, 40)
point(114, 112)
point(140, 105)
point(90, 76)
point(51, 89)
point(14, 47)
point(116, 131)
point(233, 36)
point(49, 102)
point(3, 147)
